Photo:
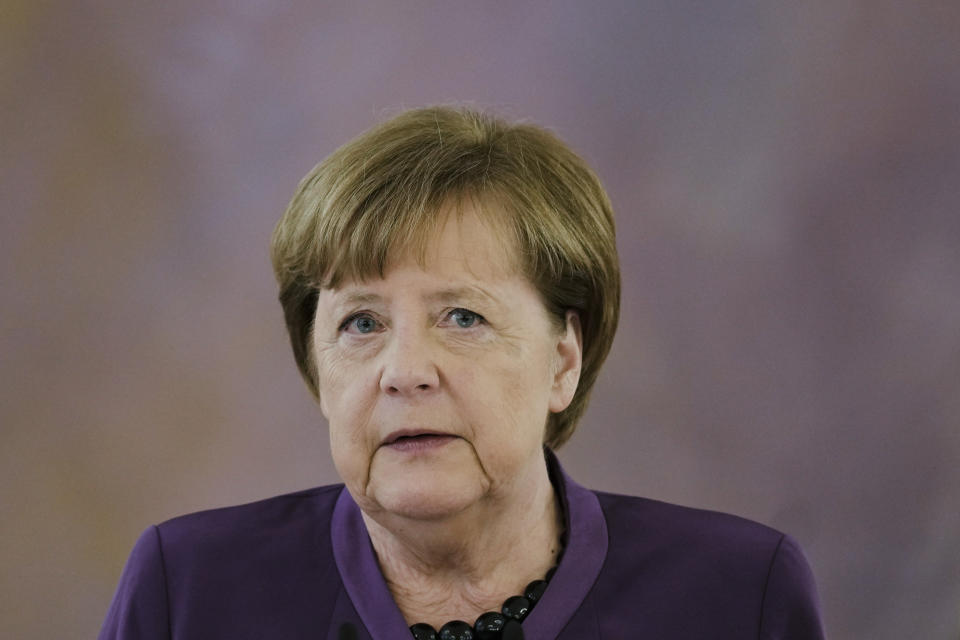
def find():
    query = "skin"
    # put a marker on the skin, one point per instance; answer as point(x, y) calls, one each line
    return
point(459, 345)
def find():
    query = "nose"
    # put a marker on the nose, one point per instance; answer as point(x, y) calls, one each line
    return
point(409, 369)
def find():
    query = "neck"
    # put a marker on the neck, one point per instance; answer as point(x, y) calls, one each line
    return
point(462, 565)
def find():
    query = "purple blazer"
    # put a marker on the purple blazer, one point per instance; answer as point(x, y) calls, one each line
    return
point(301, 565)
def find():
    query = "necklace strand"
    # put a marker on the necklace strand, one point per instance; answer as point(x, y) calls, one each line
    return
point(489, 625)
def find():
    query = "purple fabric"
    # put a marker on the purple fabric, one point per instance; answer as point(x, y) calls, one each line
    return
point(360, 572)
point(583, 557)
point(301, 566)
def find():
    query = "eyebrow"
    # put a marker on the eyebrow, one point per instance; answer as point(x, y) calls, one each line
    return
point(358, 298)
point(455, 294)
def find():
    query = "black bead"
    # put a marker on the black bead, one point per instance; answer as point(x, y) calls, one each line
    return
point(516, 607)
point(489, 625)
point(456, 630)
point(423, 631)
point(512, 631)
point(535, 590)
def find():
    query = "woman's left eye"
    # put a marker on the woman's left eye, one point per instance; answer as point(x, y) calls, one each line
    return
point(465, 318)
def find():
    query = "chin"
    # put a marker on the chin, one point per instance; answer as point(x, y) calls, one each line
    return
point(429, 500)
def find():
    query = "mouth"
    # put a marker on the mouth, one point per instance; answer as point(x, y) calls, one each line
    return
point(415, 440)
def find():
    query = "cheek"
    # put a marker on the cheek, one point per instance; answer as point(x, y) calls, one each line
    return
point(349, 443)
point(346, 401)
point(342, 383)
point(511, 401)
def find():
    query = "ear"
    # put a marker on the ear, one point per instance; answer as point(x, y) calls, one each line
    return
point(569, 357)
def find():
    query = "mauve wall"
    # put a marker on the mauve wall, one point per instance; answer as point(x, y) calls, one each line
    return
point(787, 181)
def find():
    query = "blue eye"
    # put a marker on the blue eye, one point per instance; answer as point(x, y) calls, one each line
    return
point(465, 318)
point(360, 323)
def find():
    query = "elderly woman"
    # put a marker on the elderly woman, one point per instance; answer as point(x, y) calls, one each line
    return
point(451, 288)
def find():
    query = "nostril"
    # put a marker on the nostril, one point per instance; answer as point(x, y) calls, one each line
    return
point(398, 380)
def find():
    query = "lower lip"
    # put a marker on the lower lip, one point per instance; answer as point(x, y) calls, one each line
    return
point(420, 443)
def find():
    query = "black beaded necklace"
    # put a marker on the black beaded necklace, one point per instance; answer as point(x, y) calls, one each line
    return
point(490, 625)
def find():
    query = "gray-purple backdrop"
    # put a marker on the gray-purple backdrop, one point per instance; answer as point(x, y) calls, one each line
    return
point(787, 181)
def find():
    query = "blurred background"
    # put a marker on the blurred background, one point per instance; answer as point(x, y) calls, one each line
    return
point(787, 183)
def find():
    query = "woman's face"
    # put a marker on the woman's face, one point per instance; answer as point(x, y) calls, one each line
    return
point(437, 379)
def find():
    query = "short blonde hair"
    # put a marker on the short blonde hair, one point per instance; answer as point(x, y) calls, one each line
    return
point(383, 191)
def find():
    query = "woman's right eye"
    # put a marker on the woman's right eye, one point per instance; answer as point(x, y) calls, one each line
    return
point(361, 323)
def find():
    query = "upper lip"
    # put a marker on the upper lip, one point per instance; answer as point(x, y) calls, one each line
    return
point(406, 433)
